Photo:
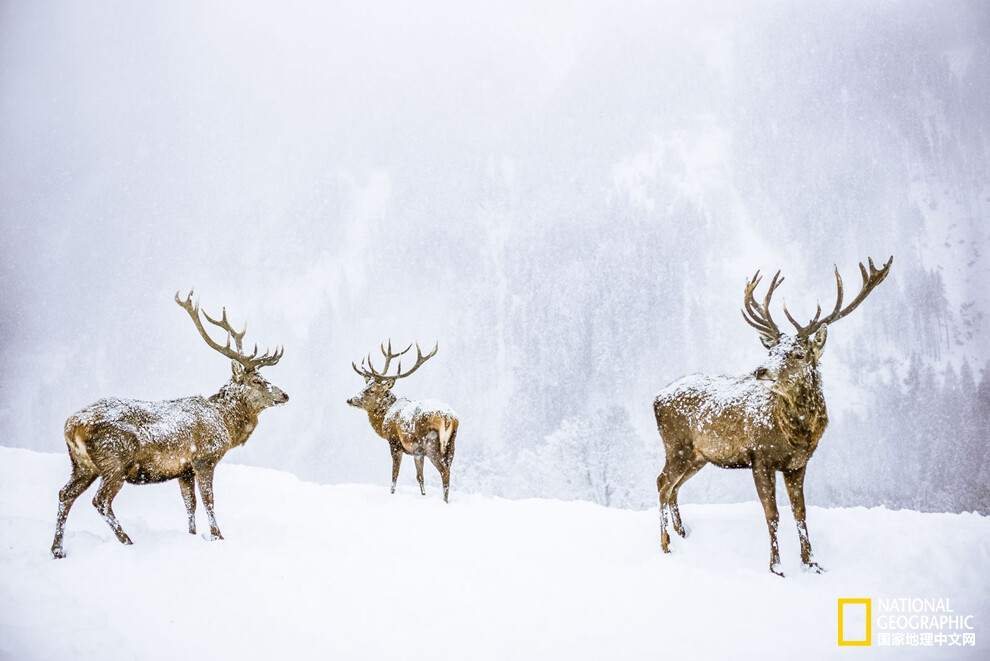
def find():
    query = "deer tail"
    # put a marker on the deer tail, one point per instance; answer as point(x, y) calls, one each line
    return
point(77, 432)
point(446, 430)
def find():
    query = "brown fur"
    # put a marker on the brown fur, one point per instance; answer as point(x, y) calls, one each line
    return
point(770, 420)
point(126, 440)
point(421, 429)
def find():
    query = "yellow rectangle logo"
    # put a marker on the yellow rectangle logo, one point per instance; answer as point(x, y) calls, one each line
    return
point(855, 622)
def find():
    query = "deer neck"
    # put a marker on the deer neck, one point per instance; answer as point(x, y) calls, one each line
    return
point(799, 407)
point(376, 414)
point(237, 415)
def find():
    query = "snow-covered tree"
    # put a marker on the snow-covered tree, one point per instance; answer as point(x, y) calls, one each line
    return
point(598, 458)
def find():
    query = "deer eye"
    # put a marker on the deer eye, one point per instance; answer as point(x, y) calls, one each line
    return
point(800, 355)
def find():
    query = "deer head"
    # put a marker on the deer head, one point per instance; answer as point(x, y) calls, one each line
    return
point(257, 392)
point(378, 384)
point(791, 355)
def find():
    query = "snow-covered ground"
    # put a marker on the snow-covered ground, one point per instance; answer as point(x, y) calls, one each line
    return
point(350, 572)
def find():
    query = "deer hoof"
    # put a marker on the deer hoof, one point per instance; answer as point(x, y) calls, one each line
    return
point(775, 569)
point(58, 553)
point(814, 567)
point(665, 541)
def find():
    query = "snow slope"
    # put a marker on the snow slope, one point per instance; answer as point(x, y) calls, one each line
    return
point(319, 571)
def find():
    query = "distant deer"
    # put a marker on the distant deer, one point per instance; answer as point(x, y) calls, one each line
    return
point(128, 440)
point(770, 420)
point(420, 428)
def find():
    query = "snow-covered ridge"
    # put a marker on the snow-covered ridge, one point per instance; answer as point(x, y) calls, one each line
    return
point(347, 571)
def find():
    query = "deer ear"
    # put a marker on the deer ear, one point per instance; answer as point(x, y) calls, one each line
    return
point(818, 341)
point(768, 342)
point(388, 383)
point(238, 370)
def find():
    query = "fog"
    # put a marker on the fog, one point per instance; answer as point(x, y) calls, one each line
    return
point(567, 197)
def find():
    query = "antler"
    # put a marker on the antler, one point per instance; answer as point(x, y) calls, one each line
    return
point(870, 280)
point(225, 325)
point(368, 370)
point(758, 316)
point(249, 362)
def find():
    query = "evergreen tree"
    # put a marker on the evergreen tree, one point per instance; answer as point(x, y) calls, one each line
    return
point(981, 446)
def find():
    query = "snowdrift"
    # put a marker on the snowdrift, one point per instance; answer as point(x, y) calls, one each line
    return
point(320, 571)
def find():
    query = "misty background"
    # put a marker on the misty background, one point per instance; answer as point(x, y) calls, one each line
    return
point(568, 197)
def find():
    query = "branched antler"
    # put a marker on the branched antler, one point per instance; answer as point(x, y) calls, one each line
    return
point(249, 362)
point(758, 316)
point(368, 370)
point(871, 279)
point(225, 325)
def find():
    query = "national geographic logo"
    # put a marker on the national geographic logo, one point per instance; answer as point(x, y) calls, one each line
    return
point(904, 622)
point(855, 622)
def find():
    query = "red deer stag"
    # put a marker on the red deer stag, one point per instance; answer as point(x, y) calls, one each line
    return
point(421, 428)
point(770, 420)
point(127, 440)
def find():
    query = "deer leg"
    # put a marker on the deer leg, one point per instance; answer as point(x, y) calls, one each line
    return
point(794, 481)
point(444, 468)
point(675, 513)
point(103, 502)
point(419, 473)
point(673, 475)
point(187, 484)
point(204, 479)
point(396, 449)
point(765, 479)
point(448, 459)
point(662, 481)
point(664, 535)
point(448, 452)
point(78, 483)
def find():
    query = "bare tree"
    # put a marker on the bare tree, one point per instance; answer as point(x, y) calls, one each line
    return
point(770, 420)
point(128, 440)
point(420, 428)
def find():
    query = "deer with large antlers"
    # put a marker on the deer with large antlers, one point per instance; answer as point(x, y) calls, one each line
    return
point(127, 440)
point(769, 420)
point(421, 428)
